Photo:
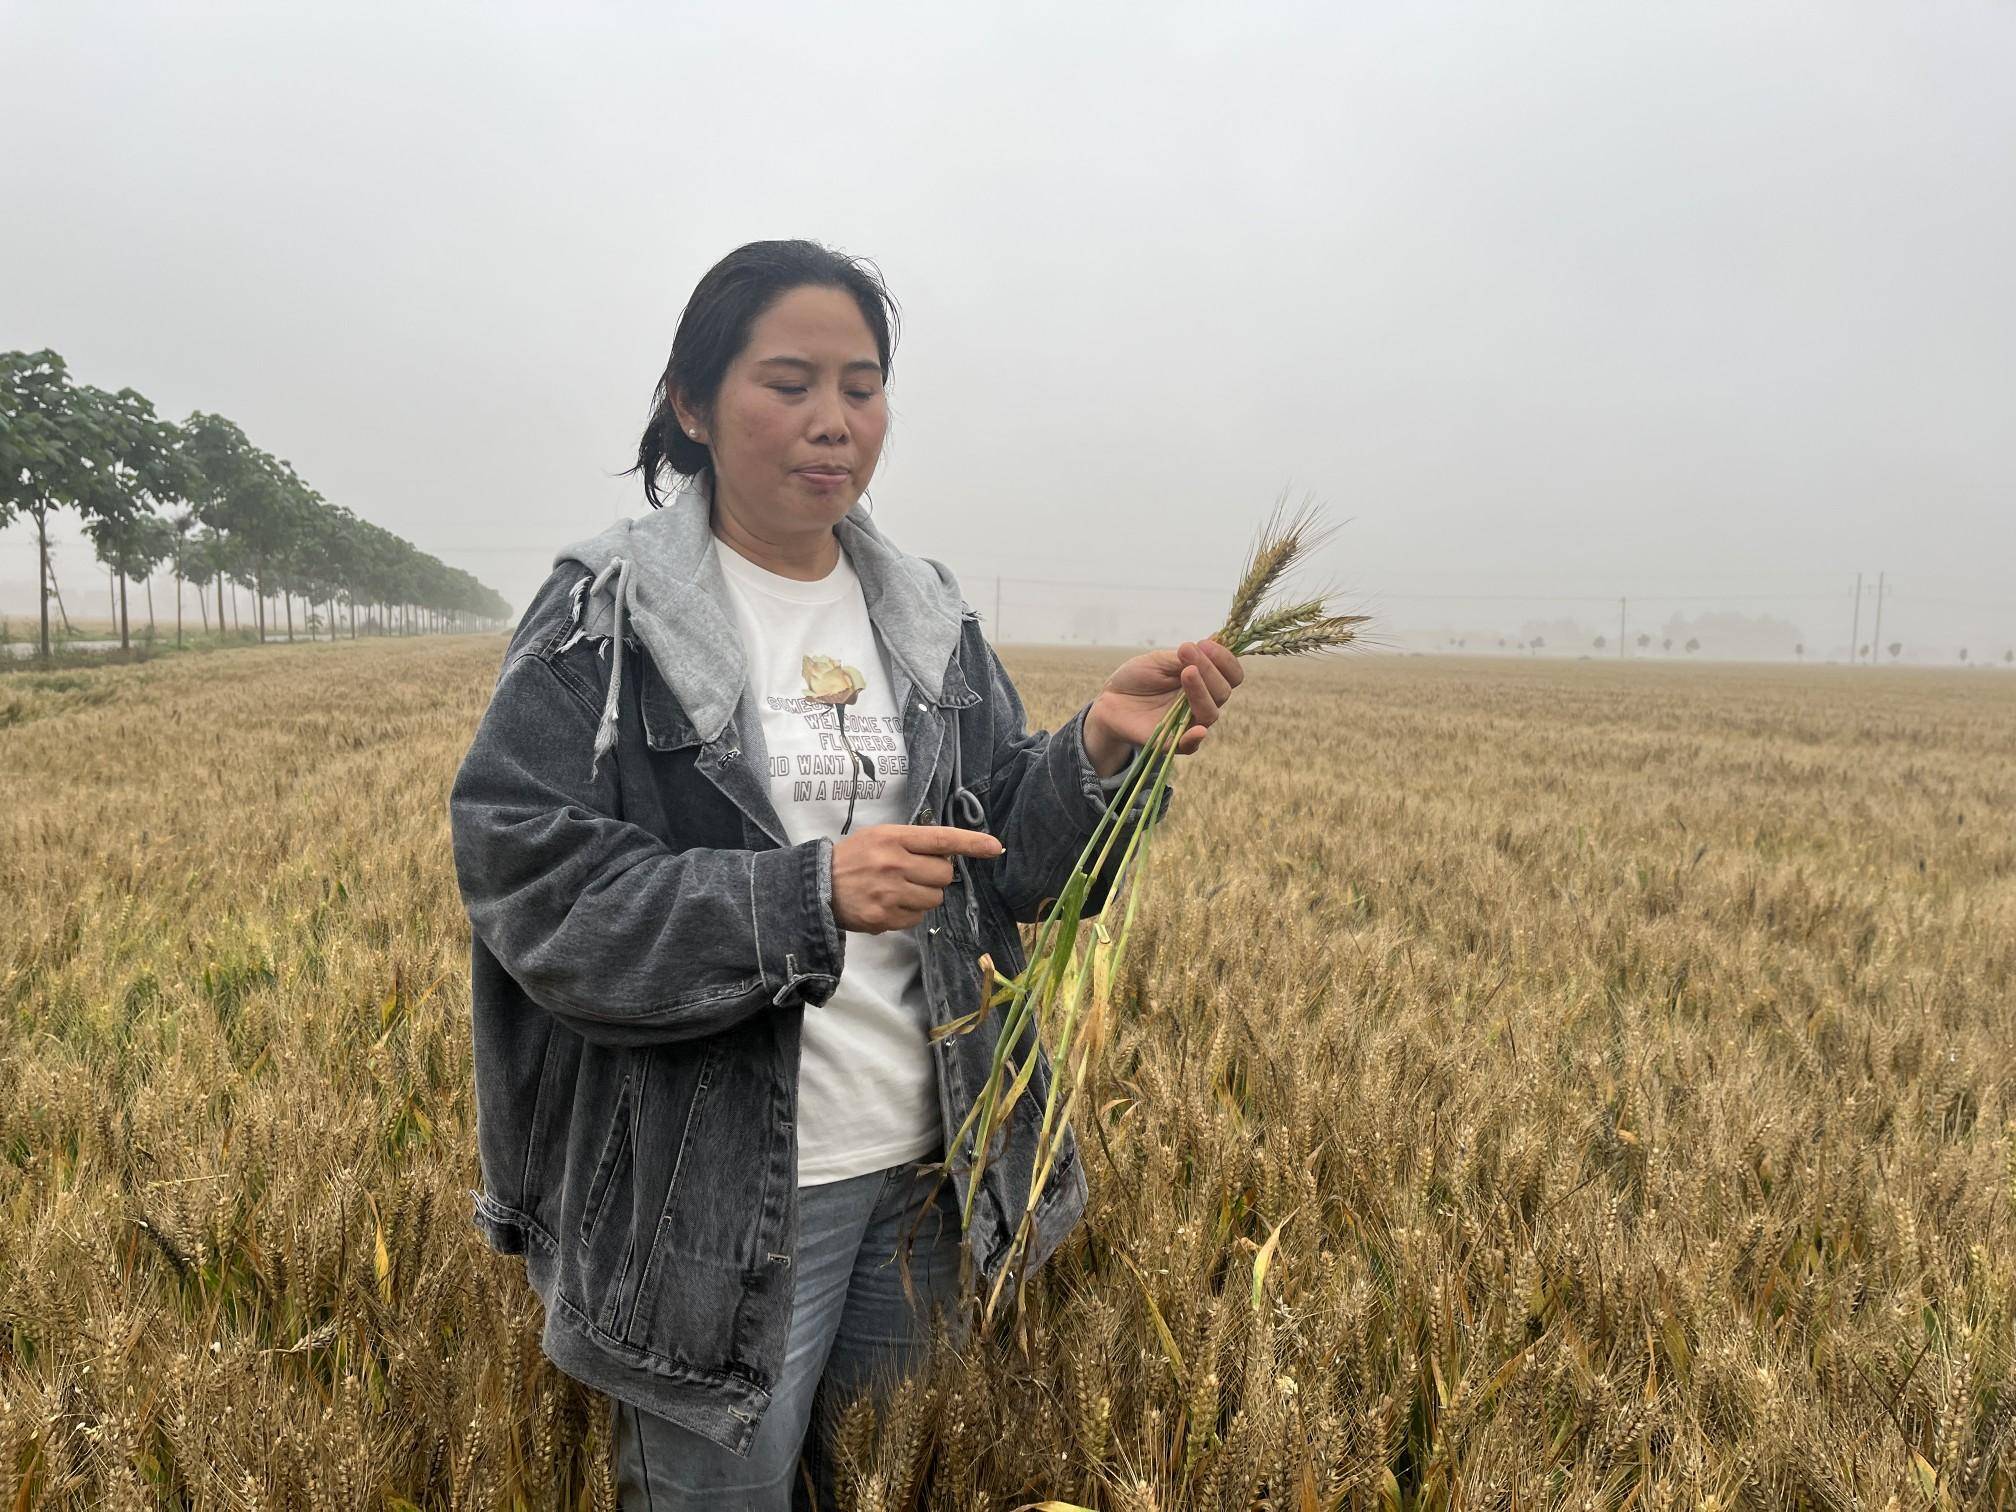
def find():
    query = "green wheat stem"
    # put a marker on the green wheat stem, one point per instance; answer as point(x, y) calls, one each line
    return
point(1036, 1004)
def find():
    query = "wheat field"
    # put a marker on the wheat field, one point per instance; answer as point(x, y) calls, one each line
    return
point(1542, 1084)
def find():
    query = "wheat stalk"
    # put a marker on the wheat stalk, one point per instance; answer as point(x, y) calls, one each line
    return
point(1063, 993)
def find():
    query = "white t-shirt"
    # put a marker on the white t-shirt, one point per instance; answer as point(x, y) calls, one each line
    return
point(867, 1091)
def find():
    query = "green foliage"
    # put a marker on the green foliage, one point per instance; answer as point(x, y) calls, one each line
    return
point(203, 497)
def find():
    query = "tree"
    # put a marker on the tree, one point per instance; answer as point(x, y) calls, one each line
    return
point(1667, 645)
point(1963, 654)
point(1800, 650)
point(1644, 641)
point(157, 545)
point(132, 548)
point(2009, 658)
point(148, 469)
point(182, 525)
point(209, 559)
point(52, 451)
point(1896, 649)
point(246, 495)
point(1601, 643)
point(297, 506)
point(1693, 645)
point(1538, 642)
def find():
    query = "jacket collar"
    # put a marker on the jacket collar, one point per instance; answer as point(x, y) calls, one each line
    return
point(675, 600)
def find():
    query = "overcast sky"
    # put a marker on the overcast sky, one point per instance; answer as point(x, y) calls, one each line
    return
point(1710, 304)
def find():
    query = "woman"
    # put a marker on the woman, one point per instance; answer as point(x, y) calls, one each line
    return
point(751, 797)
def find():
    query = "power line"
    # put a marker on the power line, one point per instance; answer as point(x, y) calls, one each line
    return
point(1520, 598)
point(1374, 595)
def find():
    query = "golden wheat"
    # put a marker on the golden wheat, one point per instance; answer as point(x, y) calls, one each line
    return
point(1618, 1059)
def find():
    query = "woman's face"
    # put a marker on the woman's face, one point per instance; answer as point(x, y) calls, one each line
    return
point(797, 427)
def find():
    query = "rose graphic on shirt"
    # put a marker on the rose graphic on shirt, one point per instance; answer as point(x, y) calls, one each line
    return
point(833, 683)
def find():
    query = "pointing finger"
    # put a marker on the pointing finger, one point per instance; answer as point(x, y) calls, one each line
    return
point(949, 840)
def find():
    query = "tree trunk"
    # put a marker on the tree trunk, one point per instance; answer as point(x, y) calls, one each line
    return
point(150, 606)
point(222, 628)
point(125, 628)
point(42, 571)
point(353, 618)
point(289, 598)
point(178, 605)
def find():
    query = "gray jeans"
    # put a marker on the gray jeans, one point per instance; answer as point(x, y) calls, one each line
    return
point(852, 1328)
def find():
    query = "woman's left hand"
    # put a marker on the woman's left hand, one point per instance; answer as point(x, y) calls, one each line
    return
point(1141, 689)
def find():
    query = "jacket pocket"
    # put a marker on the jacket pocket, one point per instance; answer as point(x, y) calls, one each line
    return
point(718, 1222)
point(684, 1159)
point(545, 1167)
point(605, 1233)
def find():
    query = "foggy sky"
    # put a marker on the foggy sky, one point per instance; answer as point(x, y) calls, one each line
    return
point(1708, 300)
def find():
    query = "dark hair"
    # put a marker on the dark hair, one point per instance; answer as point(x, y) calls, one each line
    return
point(714, 327)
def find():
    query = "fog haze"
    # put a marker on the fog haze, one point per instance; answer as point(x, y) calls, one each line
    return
point(1704, 305)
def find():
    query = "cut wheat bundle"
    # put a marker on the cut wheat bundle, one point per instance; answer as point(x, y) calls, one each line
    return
point(1062, 998)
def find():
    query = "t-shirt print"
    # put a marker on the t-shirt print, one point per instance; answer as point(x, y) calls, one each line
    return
point(831, 689)
point(824, 692)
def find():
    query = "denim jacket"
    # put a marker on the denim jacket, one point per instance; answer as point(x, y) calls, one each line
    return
point(645, 942)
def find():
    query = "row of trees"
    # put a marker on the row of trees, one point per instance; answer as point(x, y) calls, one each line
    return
point(201, 498)
point(1645, 643)
point(1896, 649)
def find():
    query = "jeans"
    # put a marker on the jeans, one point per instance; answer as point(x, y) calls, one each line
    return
point(852, 1329)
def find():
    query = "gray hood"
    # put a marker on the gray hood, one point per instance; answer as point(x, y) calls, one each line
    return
point(657, 577)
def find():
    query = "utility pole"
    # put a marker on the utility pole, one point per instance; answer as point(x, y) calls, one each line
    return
point(1876, 645)
point(1620, 629)
point(1855, 635)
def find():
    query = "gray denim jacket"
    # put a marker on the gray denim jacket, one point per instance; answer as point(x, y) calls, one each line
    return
point(646, 941)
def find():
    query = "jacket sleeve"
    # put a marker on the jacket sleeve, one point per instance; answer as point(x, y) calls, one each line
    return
point(628, 940)
point(1043, 799)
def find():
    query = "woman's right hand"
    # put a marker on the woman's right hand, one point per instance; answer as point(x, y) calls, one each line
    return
point(888, 876)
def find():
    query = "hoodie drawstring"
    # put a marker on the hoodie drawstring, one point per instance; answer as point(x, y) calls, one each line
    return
point(965, 808)
point(605, 732)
